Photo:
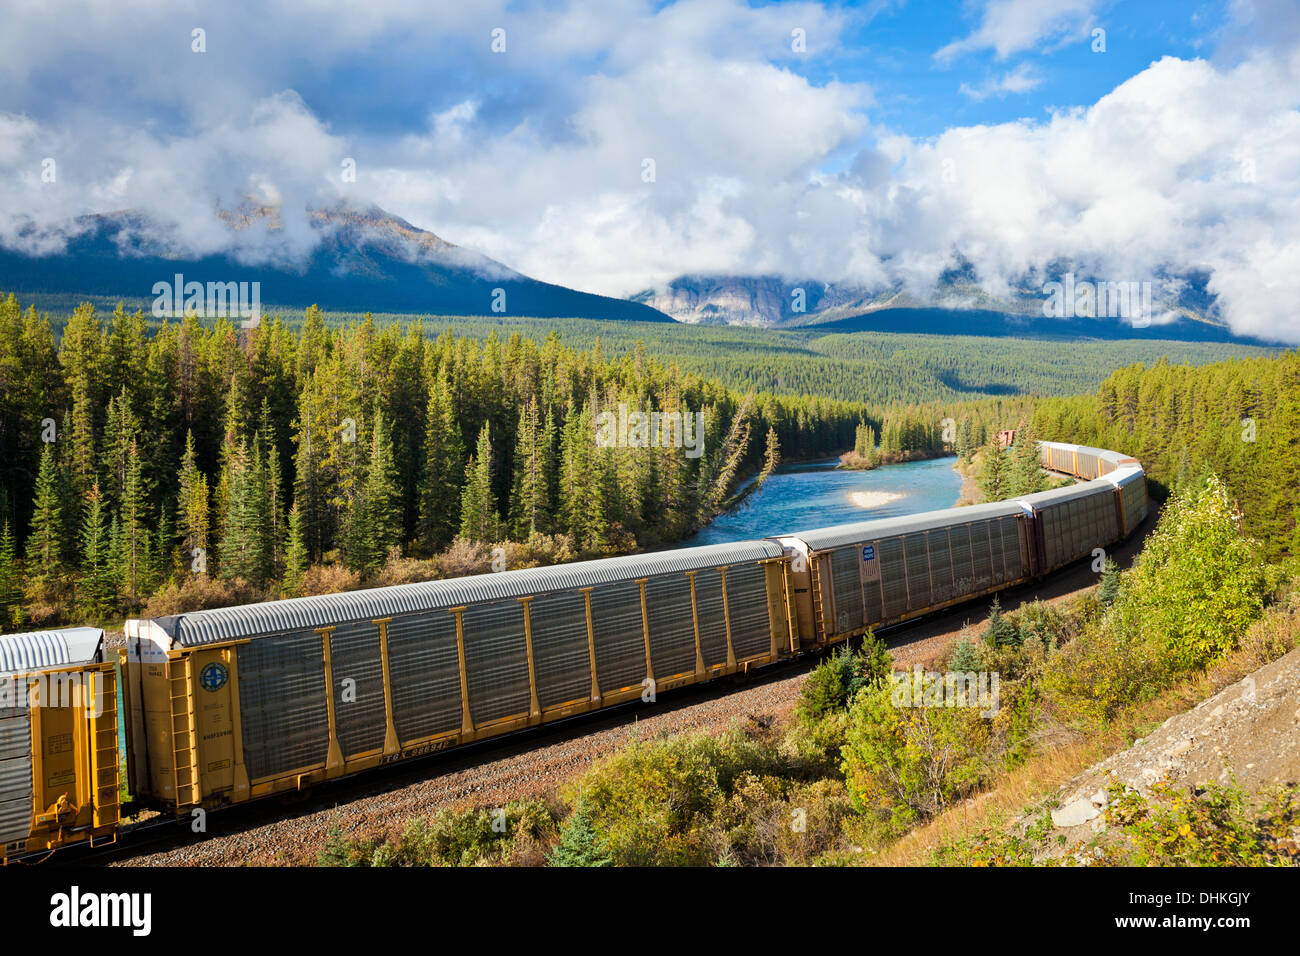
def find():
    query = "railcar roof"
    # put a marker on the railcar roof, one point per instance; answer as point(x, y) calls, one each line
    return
point(37, 650)
point(820, 539)
point(1125, 475)
point(1069, 493)
point(1088, 449)
point(296, 614)
point(1118, 458)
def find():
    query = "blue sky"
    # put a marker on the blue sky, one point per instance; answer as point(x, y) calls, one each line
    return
point(890, 47)
point(905, 136)
point(895, 49)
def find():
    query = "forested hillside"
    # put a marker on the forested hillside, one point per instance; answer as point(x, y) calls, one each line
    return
point(881, 368)
point(1239, 419)
point(134, 457)
point(131, 457)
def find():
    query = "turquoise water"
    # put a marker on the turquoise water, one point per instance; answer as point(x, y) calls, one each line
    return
point(816, 494)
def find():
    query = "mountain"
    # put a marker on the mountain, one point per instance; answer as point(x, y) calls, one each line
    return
point(984, 322)
point(958, 304)
point(362, 260)
point(750, 300)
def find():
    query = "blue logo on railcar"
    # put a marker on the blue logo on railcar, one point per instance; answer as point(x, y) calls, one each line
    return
point(869, 553)
point(214, 676)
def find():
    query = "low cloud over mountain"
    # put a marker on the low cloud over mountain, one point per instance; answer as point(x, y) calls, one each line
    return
point(801, 139)
point(359, 261)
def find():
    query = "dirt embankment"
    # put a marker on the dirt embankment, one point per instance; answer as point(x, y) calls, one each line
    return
point(1248, 734)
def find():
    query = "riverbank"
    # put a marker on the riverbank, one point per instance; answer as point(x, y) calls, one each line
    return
point(971, 493)
point(852, 461)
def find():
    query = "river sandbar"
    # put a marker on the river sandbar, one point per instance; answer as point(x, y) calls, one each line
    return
point(875, 499)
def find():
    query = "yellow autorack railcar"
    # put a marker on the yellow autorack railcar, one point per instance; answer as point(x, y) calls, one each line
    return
point(59, 752)
point(238, 703)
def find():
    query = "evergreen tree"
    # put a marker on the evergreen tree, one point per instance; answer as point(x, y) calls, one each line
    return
point(166, 559)
point(295, 554)
point(274, 498)
point(98, 582)
point(119, 435)
point(965, 441)
point(310, 485)
point(965, 657)
point(1110, 583)
point(80, 354)
point(994, 479)
point(530, 496)
point(478, 514)
point(579, 843)
point(131, 541)
point(575, 455)
point(259, 492)
point(1001, 632)
point(374, 520)
point(599, 496)
point(549, 479)
point(242, 547)
point(864, 441)
point(444, 465)
point(383, 488)
point(10, 594)
point(45, 541)
point(192, 505)
point(125, 353)
point(771, 457)
point(1025, 476)
point(719, 471)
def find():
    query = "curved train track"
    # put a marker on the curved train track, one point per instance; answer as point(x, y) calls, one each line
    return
point(490, 773)
point(220, 708)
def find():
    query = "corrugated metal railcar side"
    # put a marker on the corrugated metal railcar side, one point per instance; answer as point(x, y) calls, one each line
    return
point(1131, 488)
point(246, 701)
point(1081, 460)
point(1073, 521)
point(58, 741)
point(875, 573)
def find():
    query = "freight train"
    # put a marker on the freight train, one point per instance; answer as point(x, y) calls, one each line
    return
point(220, 707)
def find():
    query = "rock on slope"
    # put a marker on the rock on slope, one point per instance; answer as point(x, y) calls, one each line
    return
point(1250, 730)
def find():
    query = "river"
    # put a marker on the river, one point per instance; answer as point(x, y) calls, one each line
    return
point(817, 494)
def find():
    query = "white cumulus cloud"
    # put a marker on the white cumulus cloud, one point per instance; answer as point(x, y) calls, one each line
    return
point(541, 160)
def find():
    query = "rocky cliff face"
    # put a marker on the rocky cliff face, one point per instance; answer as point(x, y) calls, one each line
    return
point(1180, 307)
point(766, 301)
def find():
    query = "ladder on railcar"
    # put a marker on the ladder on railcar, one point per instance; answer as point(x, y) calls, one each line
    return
point(819, 616)
point(185, 752)
point(107, 768)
